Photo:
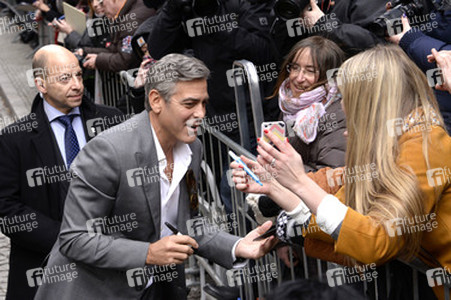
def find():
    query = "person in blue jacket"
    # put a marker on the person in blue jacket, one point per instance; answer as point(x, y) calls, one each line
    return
point(418, 45)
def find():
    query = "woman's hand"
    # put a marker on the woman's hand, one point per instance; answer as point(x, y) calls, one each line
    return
point(245, 183)
point(285, 164)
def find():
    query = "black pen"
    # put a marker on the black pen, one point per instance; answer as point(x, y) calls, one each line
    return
point(172, 228)
point(176, 232)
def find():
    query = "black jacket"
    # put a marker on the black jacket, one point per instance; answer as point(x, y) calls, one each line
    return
point(346, 24)
point(35, 206)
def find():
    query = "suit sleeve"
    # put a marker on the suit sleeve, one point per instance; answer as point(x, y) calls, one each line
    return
point(92, 195)
point(45, 231)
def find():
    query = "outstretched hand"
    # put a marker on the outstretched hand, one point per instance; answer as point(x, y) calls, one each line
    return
point(248, 248)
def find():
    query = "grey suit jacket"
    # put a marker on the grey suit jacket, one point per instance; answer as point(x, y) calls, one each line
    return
point(107, 186)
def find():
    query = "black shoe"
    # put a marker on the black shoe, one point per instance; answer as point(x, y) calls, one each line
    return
point(222, 292)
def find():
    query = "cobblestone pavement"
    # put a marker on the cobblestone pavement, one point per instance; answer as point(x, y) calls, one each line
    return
point(4, 241)
point(14, 86)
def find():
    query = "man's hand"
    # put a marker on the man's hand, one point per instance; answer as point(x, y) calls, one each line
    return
point(405, 27)
point(140, 79)
point(443, 60)
point(173, 249)
point(90, 61)
point(312, 13)
point(247, 248)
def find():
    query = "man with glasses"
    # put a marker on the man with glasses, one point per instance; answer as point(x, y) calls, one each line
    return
point(36, 153)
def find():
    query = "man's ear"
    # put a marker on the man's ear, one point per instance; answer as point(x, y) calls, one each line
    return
point(156, 102)
point(40, 85)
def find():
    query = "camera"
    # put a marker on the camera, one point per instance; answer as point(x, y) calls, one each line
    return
point(408, 7)
point(201, 8)
point(81, 58)
point(291, 9)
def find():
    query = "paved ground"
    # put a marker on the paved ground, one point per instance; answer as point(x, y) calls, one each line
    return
point(15, 101)
point(4, 241)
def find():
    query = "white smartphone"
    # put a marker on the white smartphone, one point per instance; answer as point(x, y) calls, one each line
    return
point(278, 128)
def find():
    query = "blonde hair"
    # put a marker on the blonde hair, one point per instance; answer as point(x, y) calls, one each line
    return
point(396, 88)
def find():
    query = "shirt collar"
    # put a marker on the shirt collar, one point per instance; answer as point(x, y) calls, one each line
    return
point(52, 113)
point(182, 153)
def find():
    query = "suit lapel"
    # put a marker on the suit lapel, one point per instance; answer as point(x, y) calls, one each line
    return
point(184, 211)
point(48, 153)
point(147, 159)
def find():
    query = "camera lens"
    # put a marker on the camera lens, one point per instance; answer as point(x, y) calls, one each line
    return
point(290, 9)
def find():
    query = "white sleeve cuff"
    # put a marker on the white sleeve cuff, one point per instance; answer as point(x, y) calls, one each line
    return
point(240, 263)
point(330, 214)
point(300, 214)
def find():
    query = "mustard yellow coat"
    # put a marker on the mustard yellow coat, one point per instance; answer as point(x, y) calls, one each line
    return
point(368, 243)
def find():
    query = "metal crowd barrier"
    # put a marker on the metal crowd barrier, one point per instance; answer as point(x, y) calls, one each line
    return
point(211, 206)
point(245, 75)
point(114, 90)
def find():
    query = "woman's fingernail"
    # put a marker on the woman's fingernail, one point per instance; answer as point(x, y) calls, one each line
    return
point(247, 185)
point(241, 166)
point(258, 139)
point(404, 15)
point(266, 131)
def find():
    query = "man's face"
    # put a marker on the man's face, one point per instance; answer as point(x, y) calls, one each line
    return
point(111, 8)
point(63, 83)
point(181, 116)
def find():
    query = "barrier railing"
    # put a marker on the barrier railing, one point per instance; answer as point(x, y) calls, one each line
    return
point(113, 91)
point(245, 75)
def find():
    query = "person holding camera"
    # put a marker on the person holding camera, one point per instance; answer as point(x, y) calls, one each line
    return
point(417, 43)
point(397, 170)
point(345, 22)
point(124, 17)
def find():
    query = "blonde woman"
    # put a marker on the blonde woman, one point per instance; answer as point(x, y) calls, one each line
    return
point(398, 162)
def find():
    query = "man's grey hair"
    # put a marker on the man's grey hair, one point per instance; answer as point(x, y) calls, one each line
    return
point(172, 68)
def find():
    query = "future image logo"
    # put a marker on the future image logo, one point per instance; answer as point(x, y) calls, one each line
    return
point(435, 77)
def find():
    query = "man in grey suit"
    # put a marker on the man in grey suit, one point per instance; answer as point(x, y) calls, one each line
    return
point(129, 181)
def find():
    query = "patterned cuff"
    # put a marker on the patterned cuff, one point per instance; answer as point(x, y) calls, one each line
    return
point(289, 229)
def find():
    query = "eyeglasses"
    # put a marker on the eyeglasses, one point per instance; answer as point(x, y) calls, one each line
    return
point(191, 184)
point(295, 69)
